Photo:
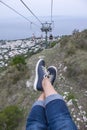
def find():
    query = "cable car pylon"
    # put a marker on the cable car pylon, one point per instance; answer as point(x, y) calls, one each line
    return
point(46, 27)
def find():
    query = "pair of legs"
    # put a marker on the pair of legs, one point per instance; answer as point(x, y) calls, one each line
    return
point(49, 112)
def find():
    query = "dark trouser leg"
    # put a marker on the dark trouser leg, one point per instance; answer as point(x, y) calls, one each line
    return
point(37, 119)
point(58, 115)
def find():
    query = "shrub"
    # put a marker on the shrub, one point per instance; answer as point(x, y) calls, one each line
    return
point(2, 121)
point(81, 44)
point(80, 39)
point(77, 68)
point(64, 40)
point(19, 62)
point(70, 96)
point(75, 32)
point(70, 49)
point(52, 44)
point(10, 118)
point(18, 59)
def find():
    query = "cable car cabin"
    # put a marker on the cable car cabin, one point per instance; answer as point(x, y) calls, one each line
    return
point(51, 37)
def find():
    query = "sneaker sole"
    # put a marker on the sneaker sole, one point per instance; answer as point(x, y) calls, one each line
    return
point(36, 78)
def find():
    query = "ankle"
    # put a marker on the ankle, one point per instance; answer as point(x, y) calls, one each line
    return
point(46, 82)
point(41, 97)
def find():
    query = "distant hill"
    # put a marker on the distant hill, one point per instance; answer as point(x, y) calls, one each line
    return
point(69, 55)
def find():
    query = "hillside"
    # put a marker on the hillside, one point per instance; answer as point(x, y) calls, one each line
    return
point(69, 55)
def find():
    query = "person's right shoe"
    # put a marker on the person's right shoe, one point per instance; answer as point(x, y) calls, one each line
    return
point(52, 71)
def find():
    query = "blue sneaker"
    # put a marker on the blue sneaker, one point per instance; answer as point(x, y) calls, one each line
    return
point(41, 72)
point(52, 71)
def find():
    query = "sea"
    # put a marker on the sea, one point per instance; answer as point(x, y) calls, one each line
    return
point(19, 28)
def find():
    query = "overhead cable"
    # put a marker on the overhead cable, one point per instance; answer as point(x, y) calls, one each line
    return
point(51, 10)
point(30, 11)
point(17, 12)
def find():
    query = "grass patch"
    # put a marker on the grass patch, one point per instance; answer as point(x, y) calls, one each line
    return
point(70, 49)
point(77, 68)
point(70, 96)
point(10, 118)
point(52, 44)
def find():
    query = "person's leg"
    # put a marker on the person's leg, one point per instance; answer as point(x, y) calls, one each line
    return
point(37, 119)
point(57, 113)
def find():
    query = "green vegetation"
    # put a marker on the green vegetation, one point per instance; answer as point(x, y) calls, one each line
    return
point(2, 69)
point(10, 118)
point(77, 40)
point(19, 62)
point(52, 44)
point(13, 74)
point(77, 68)
point(18, 59)
point(69, 53)
point(75, 56)
point(70, 96)
point(70, 49)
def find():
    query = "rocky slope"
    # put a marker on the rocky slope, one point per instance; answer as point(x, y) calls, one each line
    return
point(69, 55)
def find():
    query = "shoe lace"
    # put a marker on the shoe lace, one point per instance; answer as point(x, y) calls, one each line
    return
point(46, 73)
point(50, 77)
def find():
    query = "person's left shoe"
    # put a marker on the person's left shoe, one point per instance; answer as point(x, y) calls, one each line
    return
point(41, 72)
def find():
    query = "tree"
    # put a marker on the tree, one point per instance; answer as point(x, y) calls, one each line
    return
point(75, 31)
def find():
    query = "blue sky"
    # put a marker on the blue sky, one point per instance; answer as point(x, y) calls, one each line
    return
point(42, 8)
